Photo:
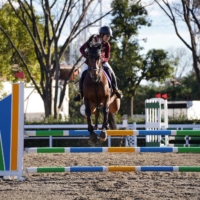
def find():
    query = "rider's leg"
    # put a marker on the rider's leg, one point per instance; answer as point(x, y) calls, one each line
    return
point(115, 87)
point(79, 96)
point(111, 74)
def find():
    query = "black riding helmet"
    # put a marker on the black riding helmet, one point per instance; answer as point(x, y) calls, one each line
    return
point(105, 30)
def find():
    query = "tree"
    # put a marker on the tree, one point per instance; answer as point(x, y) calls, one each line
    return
point(51, 23)
point(182, 60)
point(188, 12)
point(131, 67)
point(10, 62)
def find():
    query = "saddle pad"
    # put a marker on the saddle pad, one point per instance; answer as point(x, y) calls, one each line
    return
point(108, 79)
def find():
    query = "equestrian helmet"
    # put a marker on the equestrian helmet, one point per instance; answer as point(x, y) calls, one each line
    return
point(105, 30)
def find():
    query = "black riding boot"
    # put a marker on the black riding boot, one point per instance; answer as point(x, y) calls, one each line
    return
point(79, 96)
point(115, 88)
point(113, 82)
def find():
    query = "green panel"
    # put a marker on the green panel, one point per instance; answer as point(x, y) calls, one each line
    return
point(188, 150)
point(50, 169)
point(194, 138)
point(184, 138)
point(184, 145)
point(177, 138)
point(51, 150)
point(1, 158)
point(48, 133)
point(183, 128)
point(152, 144)
point(152, 105)
point(189, 169)
point(188, 132)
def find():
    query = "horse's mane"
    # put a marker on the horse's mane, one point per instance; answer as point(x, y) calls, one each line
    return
point(94, 41)
point(94, 51)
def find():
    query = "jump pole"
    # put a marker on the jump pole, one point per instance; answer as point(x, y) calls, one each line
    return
point(114, 132)
point(12, 143)
point(114, 169)
point(113, 150)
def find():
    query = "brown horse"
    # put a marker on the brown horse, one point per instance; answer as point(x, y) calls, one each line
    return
point(97, 94)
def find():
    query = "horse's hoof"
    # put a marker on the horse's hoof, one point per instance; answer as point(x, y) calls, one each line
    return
point(93, 137)
point(103, 136)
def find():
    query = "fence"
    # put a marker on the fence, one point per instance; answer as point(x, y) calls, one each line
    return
point(133, 126)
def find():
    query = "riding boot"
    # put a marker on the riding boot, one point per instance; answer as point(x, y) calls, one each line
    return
point(79, 96)
point(115, 88)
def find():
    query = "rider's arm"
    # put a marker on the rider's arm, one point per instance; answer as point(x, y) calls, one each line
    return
point(83, 48)
point(106, 56)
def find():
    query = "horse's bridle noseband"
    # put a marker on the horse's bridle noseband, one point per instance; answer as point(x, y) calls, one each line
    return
point(94, 57)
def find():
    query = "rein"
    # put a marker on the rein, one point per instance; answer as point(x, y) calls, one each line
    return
point(98, 69)
point(98, 76)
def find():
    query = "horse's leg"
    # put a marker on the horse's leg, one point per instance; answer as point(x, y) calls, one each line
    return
point(93, 135)
point(96, 119)
point(103, 134)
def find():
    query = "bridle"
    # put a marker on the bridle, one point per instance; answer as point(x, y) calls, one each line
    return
point(94, 69)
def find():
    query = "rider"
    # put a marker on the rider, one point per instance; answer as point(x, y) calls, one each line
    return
point(104, 35)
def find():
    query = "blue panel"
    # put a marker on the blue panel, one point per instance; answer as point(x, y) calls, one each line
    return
point(86, 169)
point(157, 168)
point(81, 132)
point(156, 149)
point(85, 149)
point(5, 127)
point(154, 132)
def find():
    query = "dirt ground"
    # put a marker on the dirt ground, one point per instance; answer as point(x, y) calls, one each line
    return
point(112, 186)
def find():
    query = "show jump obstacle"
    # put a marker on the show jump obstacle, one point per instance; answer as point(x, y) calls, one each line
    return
point(12, 144)
point(11, 132)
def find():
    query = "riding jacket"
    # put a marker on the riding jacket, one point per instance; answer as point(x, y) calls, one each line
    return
point(105, 51)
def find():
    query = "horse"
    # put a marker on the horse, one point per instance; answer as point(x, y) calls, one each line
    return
point(98, 94)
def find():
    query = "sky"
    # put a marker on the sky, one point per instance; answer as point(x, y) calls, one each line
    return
point(161, 34)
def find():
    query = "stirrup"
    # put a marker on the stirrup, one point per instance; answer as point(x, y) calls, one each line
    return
point(78, 97)
point(119, 94)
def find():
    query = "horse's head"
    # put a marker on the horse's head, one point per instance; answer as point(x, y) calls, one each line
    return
point(94, 63)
